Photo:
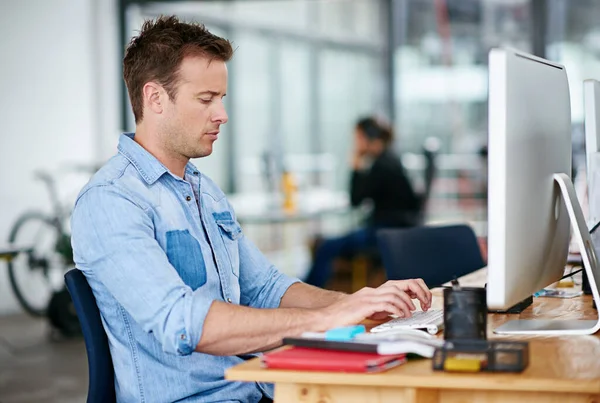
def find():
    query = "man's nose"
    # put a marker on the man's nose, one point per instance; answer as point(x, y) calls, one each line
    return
point(220, 115)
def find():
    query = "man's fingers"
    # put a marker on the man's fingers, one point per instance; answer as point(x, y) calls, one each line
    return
point(412, 289)
point(400, 300)
point(395, 297)
point(416, 288)
point(387, 307)
point(408, 301)
point(427, 290)
point(394, 289)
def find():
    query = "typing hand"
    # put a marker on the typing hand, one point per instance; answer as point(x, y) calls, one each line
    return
point(393, 297)
point(415, 288)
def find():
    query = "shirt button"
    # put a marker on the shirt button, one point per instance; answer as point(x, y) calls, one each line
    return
point(195, 172)
point(229, 300)
point(188, 198)
point(183, 337)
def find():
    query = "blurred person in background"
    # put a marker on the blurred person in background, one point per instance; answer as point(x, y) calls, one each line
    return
point(183, 294)
point(379, 177)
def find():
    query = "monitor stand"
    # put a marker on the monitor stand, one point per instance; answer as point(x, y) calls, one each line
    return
point(590, 265)
point(516, 308)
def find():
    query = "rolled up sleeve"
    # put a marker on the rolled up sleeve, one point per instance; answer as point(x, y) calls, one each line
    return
point(261, 284)
point(113, 242)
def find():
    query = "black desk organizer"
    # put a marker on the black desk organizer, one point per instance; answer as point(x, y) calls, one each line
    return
point(493, 356)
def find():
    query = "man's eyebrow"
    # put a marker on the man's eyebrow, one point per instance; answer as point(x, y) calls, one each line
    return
point(208, 92)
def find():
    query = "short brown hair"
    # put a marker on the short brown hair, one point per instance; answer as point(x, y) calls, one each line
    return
point(157, 52)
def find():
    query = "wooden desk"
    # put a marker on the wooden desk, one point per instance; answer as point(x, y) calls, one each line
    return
point(561, 370)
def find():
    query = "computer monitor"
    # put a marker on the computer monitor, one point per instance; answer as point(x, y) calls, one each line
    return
point(531, 200)
point(591, 97)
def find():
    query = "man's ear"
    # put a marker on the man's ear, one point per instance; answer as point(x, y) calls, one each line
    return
point(153, 95)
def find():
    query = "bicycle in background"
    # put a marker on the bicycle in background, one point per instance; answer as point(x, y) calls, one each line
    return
point(37, 274)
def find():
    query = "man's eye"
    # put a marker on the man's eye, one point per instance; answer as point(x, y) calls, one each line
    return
point(205, 101)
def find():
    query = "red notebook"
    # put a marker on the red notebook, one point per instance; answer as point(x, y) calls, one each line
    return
point(311, 359)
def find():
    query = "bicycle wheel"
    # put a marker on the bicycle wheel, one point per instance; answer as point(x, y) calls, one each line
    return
point(35, 275)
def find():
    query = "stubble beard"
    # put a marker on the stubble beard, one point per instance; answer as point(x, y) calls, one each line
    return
point(188, 146)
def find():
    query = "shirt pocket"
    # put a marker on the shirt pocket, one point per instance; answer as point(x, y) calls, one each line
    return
point(184, 253)
point(230, 233)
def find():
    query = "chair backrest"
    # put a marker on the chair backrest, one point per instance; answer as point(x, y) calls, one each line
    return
point(429, 175)
point(101, 372)
point(435, 254)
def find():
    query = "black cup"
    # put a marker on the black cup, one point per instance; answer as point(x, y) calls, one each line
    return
point(465, 313)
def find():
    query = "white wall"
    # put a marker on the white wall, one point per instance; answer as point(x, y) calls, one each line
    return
point(59, 99)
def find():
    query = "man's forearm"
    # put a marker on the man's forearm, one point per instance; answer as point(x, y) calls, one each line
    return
point(233, 329)
point(301, 295)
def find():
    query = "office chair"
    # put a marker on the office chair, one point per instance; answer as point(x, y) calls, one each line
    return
point(435, 254)
point(430, 155)
point(101, 372)
point(430, 150)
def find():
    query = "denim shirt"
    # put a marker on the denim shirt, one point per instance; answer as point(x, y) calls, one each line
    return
point(157, 250)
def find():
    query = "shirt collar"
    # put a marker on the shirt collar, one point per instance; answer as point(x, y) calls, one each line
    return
point(147, 165)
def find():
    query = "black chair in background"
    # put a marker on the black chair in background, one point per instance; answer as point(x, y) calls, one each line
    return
point(101, 372)
point(435, 254)
point(430, 151)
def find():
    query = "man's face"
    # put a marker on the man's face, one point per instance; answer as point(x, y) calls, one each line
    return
point(190, 123)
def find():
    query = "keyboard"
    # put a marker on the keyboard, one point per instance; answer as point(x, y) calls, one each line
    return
point(432, 321)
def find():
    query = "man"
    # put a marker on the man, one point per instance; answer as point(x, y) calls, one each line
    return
point(182, 293)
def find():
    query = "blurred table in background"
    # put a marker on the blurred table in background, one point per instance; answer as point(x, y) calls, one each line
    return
point(286, 236)
point(267, 208)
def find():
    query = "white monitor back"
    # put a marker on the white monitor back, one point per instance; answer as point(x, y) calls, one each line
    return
point(529, 141)
point(591, 95)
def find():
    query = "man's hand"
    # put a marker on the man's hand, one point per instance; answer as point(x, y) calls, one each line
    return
point(393, 297)
point(252, 329)
point(359, 152)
